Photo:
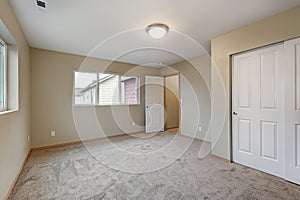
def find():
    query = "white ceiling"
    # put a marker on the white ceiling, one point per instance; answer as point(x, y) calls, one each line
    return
point(115, 29)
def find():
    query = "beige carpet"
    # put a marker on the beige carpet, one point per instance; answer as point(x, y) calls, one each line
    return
point(73, 172)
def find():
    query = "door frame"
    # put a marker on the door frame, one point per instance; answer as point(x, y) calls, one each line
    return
point(179, 99)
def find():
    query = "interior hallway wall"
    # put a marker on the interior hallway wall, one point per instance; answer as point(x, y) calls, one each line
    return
point(195, 77)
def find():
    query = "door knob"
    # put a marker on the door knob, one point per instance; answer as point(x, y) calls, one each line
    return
point(234, 113)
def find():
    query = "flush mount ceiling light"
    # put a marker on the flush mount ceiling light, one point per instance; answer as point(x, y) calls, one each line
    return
point(157, 31)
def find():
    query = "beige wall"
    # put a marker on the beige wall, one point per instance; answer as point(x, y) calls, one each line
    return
point(52, 87)
point(195, 77)
point(172, 101)
point(15, 127)
point(278, 28)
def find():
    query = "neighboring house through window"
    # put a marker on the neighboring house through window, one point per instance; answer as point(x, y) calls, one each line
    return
point(129, 95)
point(105, 89)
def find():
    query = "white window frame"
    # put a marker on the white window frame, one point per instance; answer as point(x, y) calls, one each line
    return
point(97, 90)
point(5, 75)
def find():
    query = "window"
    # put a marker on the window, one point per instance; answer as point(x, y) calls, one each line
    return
point(105, 89)
point(3, 73)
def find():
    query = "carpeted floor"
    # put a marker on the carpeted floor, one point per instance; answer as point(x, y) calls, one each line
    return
point(97, 170)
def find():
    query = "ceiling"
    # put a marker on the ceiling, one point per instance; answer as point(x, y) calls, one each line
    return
point(115, 29)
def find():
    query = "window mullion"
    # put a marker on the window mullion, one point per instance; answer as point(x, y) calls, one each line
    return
point(5, 77)
point(120, 94)
point(97, 90)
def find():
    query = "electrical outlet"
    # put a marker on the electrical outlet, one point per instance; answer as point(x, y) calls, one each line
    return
point(52, 133)
point(200, 128)
point(133, 123)
point(28, 138)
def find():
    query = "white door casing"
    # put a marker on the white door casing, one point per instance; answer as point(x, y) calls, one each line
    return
point(292, 110)
point(258, 109)
point(154, 104)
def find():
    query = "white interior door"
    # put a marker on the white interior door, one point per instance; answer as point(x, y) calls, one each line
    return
point(154, 103)
point(292, 124)
point(258, 117)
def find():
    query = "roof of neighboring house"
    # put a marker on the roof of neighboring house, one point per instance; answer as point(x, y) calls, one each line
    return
point(93, 84)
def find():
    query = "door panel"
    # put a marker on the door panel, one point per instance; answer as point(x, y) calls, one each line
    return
point(268, 76)
point(244, 135)
point(258, 110)
point(269, 140)
point(298, 145)
point(244, 87)
point(154, 103)
point(292, 111)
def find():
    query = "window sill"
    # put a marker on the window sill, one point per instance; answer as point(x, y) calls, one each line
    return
point(7, 112)
point(93, 105)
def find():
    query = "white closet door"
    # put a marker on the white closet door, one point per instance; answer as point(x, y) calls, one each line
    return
point(154, 103)
point(257, 117)
point(292, 131)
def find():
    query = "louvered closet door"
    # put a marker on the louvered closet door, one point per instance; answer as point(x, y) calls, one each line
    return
point(292, 140)
point(257, 117)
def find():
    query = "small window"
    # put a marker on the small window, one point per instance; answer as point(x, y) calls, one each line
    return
point(3, 75)
point(106, 89)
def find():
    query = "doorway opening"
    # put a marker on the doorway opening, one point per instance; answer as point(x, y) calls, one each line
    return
point(171, 101)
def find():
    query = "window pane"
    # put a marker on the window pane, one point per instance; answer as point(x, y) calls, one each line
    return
point(113, 89)
point(129, 90)
point(85, 88)
point(2, 76)
point(109, 89)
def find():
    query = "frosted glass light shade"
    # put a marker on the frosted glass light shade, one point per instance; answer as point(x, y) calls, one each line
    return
point(157, 31)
